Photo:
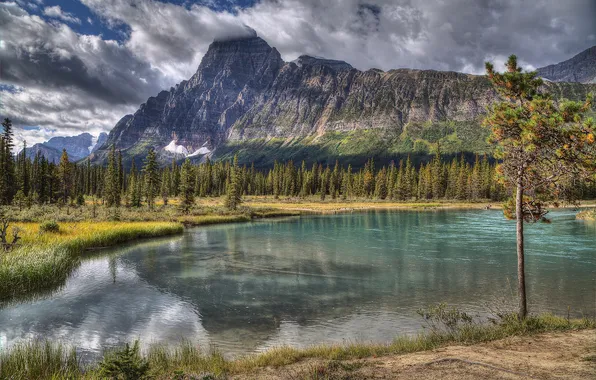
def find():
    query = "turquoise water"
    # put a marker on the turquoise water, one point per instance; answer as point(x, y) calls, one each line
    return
point(324, 279)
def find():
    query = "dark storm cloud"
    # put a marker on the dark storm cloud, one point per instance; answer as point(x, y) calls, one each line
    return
point(41, 54)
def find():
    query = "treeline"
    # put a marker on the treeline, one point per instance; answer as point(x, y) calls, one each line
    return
point(27, 181)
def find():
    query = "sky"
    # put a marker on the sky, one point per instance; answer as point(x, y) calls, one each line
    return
point(74, 66)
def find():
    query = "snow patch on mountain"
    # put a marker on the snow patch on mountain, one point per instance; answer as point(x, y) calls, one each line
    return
point(172, 147)
point(201, 151)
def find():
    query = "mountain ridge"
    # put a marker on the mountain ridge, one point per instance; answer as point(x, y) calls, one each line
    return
point(244, 98)
point(580, 68)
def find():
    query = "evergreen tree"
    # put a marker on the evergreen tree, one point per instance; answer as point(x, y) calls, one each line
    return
point(165, 186)
point(186, 187)
point(151, 173)
point(64, 173)
point(234, 195)
point(542, 144)
point(381, 184)
point(8, 186)
point(112, 186)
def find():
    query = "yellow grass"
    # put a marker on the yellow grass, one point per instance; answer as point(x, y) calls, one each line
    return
point(45, 259)
point(332, 206)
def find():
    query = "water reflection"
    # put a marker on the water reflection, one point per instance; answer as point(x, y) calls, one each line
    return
point(353, 277)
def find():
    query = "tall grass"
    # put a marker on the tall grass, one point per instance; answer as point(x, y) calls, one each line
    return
point(45, 259)
point(39, 360)
point(53, 360)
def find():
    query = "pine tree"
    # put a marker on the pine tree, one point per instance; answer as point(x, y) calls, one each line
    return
point(541, 144)
point(151, 173)
point(234, 195)
point(437, 177)
point(186, 187)
point(165, 186)
point(381, 184)
point(346, 185)
point(24, 170)
point(121, 181)
point(175, 179)
point(369, 178)
point(8, 185)
point(64, 174)
point(111, 193)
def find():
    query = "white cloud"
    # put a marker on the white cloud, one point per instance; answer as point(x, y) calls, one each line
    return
point(58, 113)
point(57, 12)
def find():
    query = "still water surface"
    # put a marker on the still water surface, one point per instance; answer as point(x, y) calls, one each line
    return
point(243, 288)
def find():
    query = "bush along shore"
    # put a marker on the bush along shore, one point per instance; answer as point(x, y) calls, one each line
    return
point(45, 360)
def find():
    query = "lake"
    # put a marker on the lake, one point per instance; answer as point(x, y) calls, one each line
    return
point(358, 277)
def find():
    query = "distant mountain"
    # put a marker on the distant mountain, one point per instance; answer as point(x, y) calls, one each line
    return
point(244, 99)
point(581, 68)
point(77, 147)
point(98, 142)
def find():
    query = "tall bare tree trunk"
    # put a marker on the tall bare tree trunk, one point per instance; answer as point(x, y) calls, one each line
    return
point(521, 275)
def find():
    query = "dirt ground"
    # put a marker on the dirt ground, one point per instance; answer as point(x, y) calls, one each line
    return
point(570, 355)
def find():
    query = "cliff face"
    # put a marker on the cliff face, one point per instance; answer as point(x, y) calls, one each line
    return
point(245, 98)
point(581, 68)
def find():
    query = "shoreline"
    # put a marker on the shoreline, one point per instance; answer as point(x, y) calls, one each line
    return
point(38, 359)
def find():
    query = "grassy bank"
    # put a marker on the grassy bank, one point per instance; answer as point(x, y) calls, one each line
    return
point(43, 360)
point(45, 259)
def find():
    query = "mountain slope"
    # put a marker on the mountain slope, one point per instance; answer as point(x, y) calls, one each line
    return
point(245, 99)
point(581, 68)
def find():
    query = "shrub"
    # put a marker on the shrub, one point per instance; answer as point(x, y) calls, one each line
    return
point(49, 226)
point(443, 319)
point(125, 363)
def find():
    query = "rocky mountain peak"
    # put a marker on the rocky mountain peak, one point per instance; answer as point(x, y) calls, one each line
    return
point(230, 54)
point(307, 60)
point(581, 68)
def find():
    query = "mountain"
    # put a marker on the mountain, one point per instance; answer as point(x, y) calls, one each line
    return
point(77, 147)
point(244, 99)
point(581, 68)
point(98, 142)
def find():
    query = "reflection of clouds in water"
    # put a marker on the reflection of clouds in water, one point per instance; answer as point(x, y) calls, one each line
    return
point(93, 312)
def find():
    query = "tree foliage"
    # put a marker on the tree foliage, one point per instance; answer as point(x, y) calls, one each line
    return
point(545, 148)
